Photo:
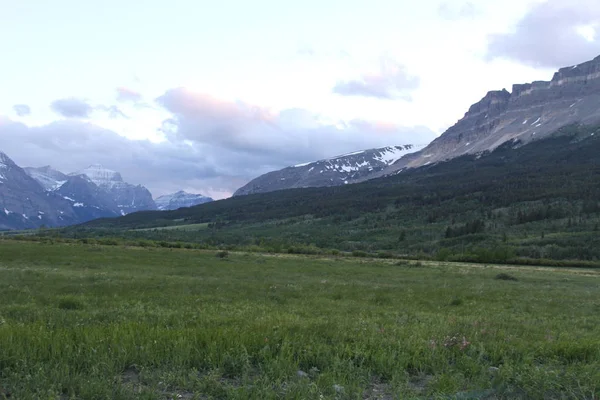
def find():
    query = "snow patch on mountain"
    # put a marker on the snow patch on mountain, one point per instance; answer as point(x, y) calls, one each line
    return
point(344, 169)
point(48, 177)
point(101, 176)
point(180, 199)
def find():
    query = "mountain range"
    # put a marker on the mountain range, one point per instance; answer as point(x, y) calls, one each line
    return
point(532, 111)
point(35, 197)
point(529, 113)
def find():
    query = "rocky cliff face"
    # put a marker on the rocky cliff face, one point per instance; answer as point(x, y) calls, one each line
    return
point(531, 111)
point(341, 170)
point(180, 199)
point(87, 199)
point(48, 177)
point(129, 198)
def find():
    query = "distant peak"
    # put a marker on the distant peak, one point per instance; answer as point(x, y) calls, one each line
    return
point(5, 159)
point(100, 175)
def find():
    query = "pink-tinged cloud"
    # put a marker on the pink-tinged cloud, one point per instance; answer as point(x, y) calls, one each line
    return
point(274, 140)
point(189, 104)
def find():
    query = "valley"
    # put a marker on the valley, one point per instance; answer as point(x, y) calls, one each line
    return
point(533, 204)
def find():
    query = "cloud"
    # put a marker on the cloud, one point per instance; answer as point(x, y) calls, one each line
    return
point(392, 81)
point(125, 94)
point(113, 111)
point(71, 145)
point(211, 146)
point(22, 110)
point(72, 107)
point(453, 12)
point(552, 34)
point(260, 140)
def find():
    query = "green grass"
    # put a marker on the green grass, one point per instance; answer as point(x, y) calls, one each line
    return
point(109, 322)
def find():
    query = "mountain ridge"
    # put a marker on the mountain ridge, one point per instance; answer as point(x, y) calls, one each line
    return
point(180, 199)
point(530, 112)
point(339, 170)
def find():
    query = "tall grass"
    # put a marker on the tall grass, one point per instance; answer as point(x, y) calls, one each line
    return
point(98, 322)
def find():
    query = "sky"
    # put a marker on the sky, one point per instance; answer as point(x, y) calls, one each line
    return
point(204, 96)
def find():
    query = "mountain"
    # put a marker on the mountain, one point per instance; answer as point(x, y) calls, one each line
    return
point(24, 203)
point(129, 198)
point(87, 199)
point(180, 199)
point(538, 201)
point(48, 177)
point(340, 170)
point(530, 112)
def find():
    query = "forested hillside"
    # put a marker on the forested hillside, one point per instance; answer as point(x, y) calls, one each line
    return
point(538, 201)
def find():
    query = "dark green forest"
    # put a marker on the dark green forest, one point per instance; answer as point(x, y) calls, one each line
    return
point(534, 203)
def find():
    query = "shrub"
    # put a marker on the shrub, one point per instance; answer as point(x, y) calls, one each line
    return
point(457, 301)
point(222, 254)
point(505, 277)
point(70, 303)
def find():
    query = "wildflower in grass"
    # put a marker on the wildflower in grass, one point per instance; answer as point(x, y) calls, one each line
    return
point(464, 343)
point(456, 341)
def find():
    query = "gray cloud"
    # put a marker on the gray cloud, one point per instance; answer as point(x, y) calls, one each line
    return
point(72, 107)
point(212, 147)
point(391, 82)
point(126, 94)
point(22, 110)
point(72, 145)
point(547, 35)
point(455, 12)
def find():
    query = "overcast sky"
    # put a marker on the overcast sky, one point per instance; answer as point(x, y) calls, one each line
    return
point(206, 95)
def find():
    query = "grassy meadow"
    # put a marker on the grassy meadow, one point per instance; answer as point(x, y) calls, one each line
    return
point(114, 322)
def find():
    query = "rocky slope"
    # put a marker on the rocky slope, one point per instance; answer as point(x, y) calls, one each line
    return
point(48, 177)
point(531, 111)
point(129, 198)
point(180, 199)
point(341, 170)
point(87, 199)
point(24, 203)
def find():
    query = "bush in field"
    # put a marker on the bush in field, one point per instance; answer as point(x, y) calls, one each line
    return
point(223, 254)
point(70, 303)
point(505, 277)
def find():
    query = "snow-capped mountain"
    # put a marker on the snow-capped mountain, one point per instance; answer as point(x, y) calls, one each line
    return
point(101, 176)
point(24, 203)
point(34, 197)
point(340, 170)
point(129, 198)
point(48, 177)
point(180, 199)
point(87, 199)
